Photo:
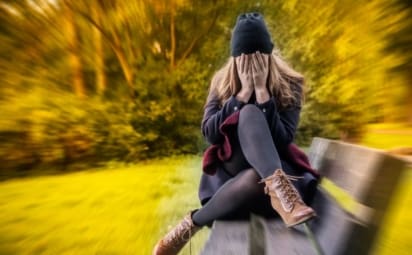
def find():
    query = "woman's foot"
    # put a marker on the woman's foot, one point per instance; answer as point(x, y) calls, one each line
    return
point(286, 200)
point(176, 239)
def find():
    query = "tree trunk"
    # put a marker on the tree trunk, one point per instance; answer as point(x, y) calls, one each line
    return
point(124, 64)
point(172, 36)
point(114, 43)
point(409, 106)
point(98, 54)
point(74, 55)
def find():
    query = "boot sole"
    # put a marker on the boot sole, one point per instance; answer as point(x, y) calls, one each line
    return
point(303, 220)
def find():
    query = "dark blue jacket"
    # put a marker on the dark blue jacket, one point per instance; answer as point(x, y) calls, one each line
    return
point(282, 123)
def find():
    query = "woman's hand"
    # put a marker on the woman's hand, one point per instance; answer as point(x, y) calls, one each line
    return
point(244, 70)
point(260, 71)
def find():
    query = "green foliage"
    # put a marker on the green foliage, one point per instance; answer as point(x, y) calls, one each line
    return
point(169, 107)
point(62, 129)
point(83, 83)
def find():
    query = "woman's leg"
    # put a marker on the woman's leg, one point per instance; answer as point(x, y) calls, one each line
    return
point(259, 149)
point(258, 153)
point(256, 141)
point(233, 195)
point(238, 193)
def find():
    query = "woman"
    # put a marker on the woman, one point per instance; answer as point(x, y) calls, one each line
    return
point(250, 118)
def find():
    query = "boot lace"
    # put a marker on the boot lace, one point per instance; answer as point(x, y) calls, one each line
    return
point(180, 233)
point(288, 195)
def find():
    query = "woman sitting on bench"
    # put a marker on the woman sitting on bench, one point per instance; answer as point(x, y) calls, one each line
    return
point(250, 118)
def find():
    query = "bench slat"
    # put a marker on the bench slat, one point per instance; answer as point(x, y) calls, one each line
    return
point(229, 238)
point(337, 232)
point(281, 240)
point(360, 171)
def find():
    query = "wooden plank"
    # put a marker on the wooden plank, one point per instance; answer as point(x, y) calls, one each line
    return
point(282, 240)
point(349, 166)
point(228, 238)
point(370, 176)
point(357, 169)
point(257, 242)
point(337, 232)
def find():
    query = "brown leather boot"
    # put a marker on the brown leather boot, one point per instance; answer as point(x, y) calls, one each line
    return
point(176, 239)
point(286, 200)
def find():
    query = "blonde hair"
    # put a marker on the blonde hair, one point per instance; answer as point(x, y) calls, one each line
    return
point(281, 79)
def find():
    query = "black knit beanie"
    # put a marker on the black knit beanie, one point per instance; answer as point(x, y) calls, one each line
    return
point(250, 34)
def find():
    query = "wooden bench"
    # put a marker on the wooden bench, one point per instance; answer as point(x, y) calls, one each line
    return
point(368, 176)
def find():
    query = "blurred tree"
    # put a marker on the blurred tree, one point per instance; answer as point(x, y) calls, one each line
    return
point(99, 50)
point(74, 49)
point(145, 67)
point(339, 49)
point(399, 40)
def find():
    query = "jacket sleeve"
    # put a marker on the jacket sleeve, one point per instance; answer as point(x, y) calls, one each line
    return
point(214, 115)
point(282, 123)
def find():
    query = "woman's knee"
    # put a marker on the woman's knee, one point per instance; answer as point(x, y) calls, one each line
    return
point(251, 114)
point(252, 123)
point(249, 109)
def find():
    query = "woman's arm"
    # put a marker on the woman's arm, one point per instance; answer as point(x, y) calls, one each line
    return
point(214, 116)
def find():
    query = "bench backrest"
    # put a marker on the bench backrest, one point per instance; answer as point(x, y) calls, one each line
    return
point(370, 178)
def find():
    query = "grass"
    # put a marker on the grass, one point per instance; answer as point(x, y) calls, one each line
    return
point(123, 210)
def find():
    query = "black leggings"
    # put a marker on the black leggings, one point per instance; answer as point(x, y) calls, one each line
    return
point(254, 157)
